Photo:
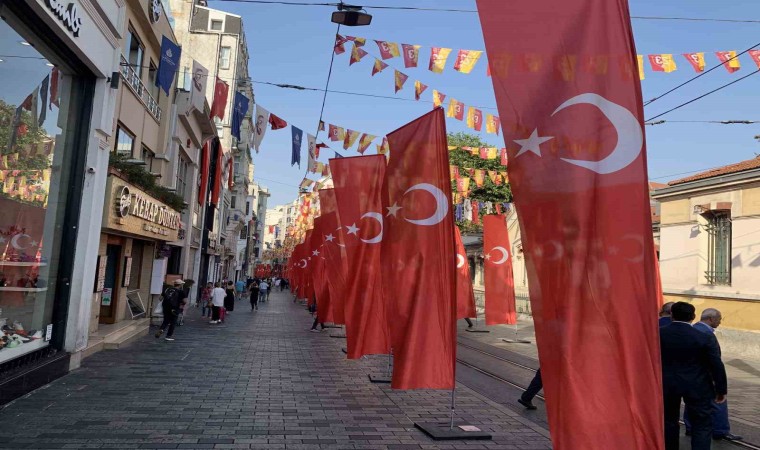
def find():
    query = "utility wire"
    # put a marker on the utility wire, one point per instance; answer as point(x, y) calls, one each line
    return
point(720, 122)
point(327, 85)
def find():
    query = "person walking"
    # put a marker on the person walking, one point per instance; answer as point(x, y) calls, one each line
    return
point(709, 321)
point(313, 310)
point(217, 302)
point(665, 314)
point(229, 299)
point(239, 289)
point(263, 291)
point(171, 303)
point(693, 371)
point(536, 384)
point(254, 295)
point(206, 300)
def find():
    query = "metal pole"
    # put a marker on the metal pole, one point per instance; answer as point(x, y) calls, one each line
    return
point(451, 423)
point(390, 358)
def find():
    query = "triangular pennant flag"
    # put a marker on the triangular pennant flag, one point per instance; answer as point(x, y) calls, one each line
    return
point(319, 147)
point(383, 149)
point(438, 98)
point(359, 41)
point(378, 67)
point(350, 139)
point(321, 125)
point(400, 78)
point(340, 48)
point(357, 54)
point(419, 88)
point(276, 123)
point(438, 58)
point(662, 63)
point(388, 49)
point(364, 142)
point(466, 60)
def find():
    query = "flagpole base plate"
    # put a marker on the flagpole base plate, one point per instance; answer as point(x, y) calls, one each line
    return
point(344, 350)
point(442, 432)
point(338, 336)
point(476, 330)
point(516, 341)
point(379, 379)
point(333, 326)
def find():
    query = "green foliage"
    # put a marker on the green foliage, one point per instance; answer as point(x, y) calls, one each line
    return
point(33, 135)
point(489, 192)
point(141, 178)
point(467, 227)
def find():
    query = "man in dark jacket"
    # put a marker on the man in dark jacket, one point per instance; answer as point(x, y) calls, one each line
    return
point(173, 300)
point(693, 371)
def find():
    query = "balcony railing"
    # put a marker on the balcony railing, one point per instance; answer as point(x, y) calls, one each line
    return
point(132, 79)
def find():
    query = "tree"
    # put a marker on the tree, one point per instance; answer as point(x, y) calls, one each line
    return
point(33, 134)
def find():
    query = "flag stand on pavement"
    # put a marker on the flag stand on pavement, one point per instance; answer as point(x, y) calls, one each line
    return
point(516, 340)
point(449, 432)
point(383, 378)
point(339, 335)
point(476, 330)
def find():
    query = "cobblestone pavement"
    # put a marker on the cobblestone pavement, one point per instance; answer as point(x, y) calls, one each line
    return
point(260, 381)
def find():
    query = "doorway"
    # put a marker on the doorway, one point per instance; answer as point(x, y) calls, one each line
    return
point(109, 298)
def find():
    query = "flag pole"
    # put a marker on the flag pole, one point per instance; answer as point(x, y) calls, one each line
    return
point(451, 422)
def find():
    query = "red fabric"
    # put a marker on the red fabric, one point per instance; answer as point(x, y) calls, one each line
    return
point(725, 58)
point(475, 212)
point(465, 294)
point(499, 282)
point(217, 188)
point(411, 55)
point(418, 254)
point(307, 289)
point(358, 188)
point(385, 51)
point(276, 122)
point(585, 219)
point(221, 92)
point(318, 277)
point(205, 161)
point(231, 172)
point(335, 264)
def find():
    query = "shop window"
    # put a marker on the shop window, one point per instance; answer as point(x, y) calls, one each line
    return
point(136, 265)
point(148, 158)
point(224, 57)
point(125, 142)
point(718, 248)
point(182, 173)
point(216, 25)
point(136, 52)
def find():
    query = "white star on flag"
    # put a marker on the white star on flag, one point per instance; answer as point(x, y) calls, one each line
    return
point(393, 209)
point(532, 144)
point(315, 253)
point(352, 229)
point(488, 257)
point(329, 238)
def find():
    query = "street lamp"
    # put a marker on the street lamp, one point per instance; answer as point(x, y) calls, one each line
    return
point(351, 16)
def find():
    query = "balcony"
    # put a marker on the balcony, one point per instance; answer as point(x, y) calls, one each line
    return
point(132, 80)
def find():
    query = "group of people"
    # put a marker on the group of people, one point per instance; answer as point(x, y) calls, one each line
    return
point(692, 371)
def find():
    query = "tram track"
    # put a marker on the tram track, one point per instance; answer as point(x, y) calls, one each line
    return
point(494, 376)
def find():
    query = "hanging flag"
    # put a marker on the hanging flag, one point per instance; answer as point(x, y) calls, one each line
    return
point(364, 142)
point(411, 55)
point(43, 100)
point(697, 61)
point(422, 309)
point(276, 122)
point(357, 53)
point(239, 112)
point(438, 57)
point(479, 177)
point(204, 172)
point(466, 60)
point(55, 76)
point(583, 295)
point(319, 271)
point(400, 79)
point(465, 294)
point(483, 153)
point(321, 125)
point(456, 109)
point(438, 98)
point(492, 124)
point(378, 67)
point(453, 172)
point(358, 190)
point(218, 106)
point(306, 183)
point(260, 127)
point(360, 41)
point(729, 60)
point(295, 157)
point(755, 55)
point(350, 139)
point(640, 61)
point(662, 63)
point(493, 175)
point(168, 64)
point(499, 285)
point(463, 184)
point(382, 149)
point(492, 153)
point(335, 261)
point(387, 49)
point(311, 147)
point(319, 146)
point(419, 88)
point(475, 212)
point(336, 133)
point(216, 187)
point(340, 47)
point(230, 172)
point(474, 118)
point(198, 82)
point(503, 156)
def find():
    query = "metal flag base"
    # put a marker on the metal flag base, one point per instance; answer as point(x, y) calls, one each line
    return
point(333, 326)
point(379, 379)
point(344, 350)
point(338, 336)
point(445, 432)
point(476, 330)
point(516, 341)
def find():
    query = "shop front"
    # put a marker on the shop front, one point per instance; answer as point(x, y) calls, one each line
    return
point(132, 260)
point(48, 94)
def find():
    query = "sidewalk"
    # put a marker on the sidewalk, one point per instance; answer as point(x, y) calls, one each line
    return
point(260, 381)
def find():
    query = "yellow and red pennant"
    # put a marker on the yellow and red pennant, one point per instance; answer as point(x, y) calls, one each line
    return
point(466, 60)
point(388, 50)
point(755, 55)
point(419, 88)
point(357, 53)
point(337, 133)
point(364, 142)
point(663, 63)
point(438, 57)
point(456, 109)
point(697, 61)
point(378, 67)
point(350, 139)
point(729, 60)
point(640, 60)
point(474, 118)
point(492, 124)
point(411, 55)
point(438, 98)
point(400, 78)
point(383, 148)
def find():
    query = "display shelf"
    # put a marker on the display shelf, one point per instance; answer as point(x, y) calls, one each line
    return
point(22, 264)
point(20, 289)
point(11, 353)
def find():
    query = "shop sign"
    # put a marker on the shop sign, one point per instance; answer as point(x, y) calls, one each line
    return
point(68, 14)
point(155, 10)
point(105, 299)
point(135, 212)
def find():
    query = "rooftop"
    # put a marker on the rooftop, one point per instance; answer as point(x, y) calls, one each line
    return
point(749, 164)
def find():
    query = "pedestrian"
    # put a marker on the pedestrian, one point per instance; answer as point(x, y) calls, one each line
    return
point(665, 314)
point(217, 302)
point(709, 321)
point(263, 291)
point(469, 322)
point(172, 301)
point(313, 310)
point(239, 288)
point(536, 384)
point(183, 302)
point(229, 299)
point(283, 283)
point(254, 296)
point(693, 371)
point(206, 300)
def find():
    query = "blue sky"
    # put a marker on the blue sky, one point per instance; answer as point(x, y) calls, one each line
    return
point(293, 44)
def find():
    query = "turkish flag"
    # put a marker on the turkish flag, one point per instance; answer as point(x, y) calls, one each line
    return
point(205, 161)
point(358, 185)
point(500, 285)
point(221, 92)
point(318, 274)
point(585, 220)
point(418, 255)
point(465, 294)
point(335, 255)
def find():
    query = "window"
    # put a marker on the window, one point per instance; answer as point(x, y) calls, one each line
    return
point(247, 208)
point(152, 74)
point(216, 25)
point(125, 142)
point(232, 202)
point(182, 173)
point(136, 52)
point(718, 247)
point(244, 232)
point(148, 157)
point(224, 57)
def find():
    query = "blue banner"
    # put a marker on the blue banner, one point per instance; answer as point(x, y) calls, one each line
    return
point(168, 64)
point(297, 138)
point(239, 110)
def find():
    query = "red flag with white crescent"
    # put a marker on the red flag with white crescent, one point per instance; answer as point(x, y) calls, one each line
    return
point(418, 255)
point(358, 185)
point(499, 281)
point(585, 219)
point(465, 294)
point(318, 273)
point(335, 257)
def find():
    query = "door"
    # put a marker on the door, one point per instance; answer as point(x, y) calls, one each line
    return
point(108, 299)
